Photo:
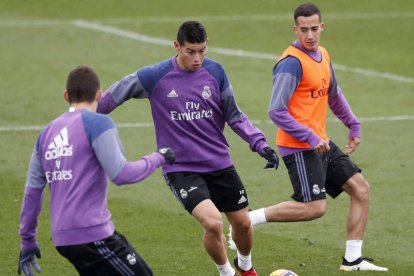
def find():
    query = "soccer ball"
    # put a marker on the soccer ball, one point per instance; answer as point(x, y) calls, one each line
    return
point(283, 272)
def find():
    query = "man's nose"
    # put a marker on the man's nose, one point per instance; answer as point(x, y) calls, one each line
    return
point(309, 34)
point(197, 57)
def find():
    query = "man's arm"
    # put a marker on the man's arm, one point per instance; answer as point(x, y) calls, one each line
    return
point(30, 210)
point(240, 124)
point(109, 151)
point(121, 91)
point(32, 202)
point(342, 110)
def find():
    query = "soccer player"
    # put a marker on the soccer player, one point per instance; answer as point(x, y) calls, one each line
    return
point(74, 154)
point(191, 100)
point(304, 85)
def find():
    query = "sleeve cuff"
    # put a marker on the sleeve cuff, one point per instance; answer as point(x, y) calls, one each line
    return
point(313, 140)
point(28, 244)
point(260, 145)
point(355, 130)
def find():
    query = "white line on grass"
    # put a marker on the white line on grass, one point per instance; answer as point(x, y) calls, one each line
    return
point(210, 18)
point(223, 51)
point(231, 52)
point(259, 17)
point(33, 22)
point(256, 122)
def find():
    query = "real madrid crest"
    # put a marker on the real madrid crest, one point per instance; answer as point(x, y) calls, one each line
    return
point(183, 194)
point(206, 92)
point(315, 189)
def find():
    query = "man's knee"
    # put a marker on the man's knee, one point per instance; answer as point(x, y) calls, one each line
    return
point(363, 191)
point(358, 188)
point(315, 209)
point(214, 227)
point(242, 226)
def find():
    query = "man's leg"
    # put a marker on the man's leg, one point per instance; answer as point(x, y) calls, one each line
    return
point(291, 211)
point(214, 241)
point(242, 234)
point(307, 173)
point(242, 230)
point(359, 191)
point(305, 169)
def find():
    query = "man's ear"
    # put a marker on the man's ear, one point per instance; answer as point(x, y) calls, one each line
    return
point(66, 95)
point(98, 95)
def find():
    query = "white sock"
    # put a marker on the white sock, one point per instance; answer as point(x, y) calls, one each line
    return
point(244, 262)
point(226, 269)
point(257, 216)
point(353, 250)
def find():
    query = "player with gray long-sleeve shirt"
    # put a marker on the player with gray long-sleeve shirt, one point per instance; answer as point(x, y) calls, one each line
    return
point(286, 77)
point(304, 86)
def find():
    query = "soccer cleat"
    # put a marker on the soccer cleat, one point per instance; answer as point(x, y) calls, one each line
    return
point(360, 264)
point(250, 272)
point(231, 243)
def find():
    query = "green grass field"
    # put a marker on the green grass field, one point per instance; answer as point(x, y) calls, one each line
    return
point(370, 43)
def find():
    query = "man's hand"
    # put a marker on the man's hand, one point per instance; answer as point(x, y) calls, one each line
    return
point(353, 143)
point(168, 154)
point(322, 147)
point(27, 258)
point(270, 155)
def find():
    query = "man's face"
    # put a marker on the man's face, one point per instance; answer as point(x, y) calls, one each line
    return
point(308, 31)
point(190, 56)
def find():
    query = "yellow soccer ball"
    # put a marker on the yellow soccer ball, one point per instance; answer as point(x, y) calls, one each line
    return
point(283, 272)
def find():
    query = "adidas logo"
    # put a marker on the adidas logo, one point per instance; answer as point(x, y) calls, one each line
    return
point(242, 199)
point(60, 146)
point(192, 188)
point(172, 94)
point(60, 140)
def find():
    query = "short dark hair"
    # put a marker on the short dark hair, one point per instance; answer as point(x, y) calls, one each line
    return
point(191, 32)
point(307, 9)
point(82, 84)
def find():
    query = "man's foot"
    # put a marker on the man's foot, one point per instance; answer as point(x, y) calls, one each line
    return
point(231, 243)
point(360, 264)
point(250, 272)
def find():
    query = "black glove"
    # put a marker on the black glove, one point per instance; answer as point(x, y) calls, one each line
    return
point(168, 154)
point(270, 155)
point(27, 258)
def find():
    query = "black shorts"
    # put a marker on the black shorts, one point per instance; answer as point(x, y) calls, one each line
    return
point(107, 257)
point(223, 187)
point(313, 174)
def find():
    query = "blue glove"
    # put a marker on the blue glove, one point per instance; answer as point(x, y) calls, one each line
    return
point(168, 154)
point(26, 259)
point(270, 155)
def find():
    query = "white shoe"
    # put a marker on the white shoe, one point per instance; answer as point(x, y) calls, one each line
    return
point(231, 243)
point(360, 264)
